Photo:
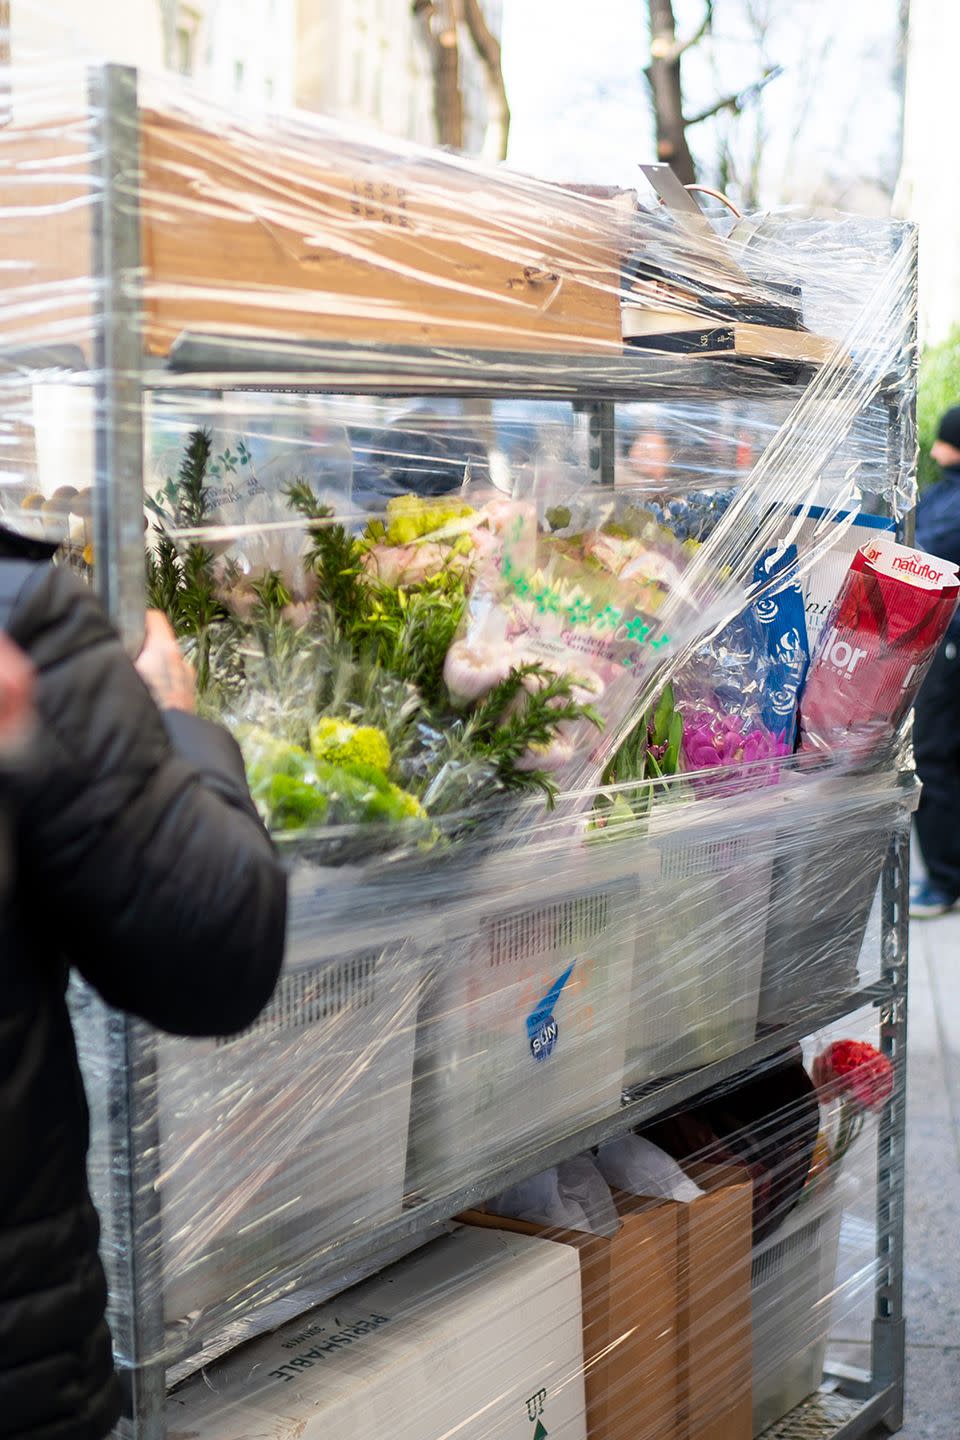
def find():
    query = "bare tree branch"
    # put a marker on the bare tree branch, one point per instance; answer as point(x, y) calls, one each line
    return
point(737, 102)
point(491, 57)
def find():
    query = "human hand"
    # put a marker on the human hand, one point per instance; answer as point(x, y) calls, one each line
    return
point(163, 669)
point(16, 697)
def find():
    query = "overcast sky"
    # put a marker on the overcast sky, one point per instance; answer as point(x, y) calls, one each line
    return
point(580, 104)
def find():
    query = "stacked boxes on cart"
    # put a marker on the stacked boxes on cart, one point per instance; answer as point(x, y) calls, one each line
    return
point(662, 1328)
point(470, 986)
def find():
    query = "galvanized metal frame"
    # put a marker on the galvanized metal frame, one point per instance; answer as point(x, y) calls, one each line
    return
point(122, 374)
point(134, 1252)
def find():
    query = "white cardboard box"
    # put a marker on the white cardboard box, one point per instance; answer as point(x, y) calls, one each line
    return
point(478, 1336)
point(838, 535)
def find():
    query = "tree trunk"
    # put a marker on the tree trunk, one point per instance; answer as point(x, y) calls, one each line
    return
point(664, 77)
point(488, 49)
point(440, 21)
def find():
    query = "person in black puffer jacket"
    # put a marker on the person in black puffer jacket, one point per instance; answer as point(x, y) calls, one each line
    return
point(139, 859)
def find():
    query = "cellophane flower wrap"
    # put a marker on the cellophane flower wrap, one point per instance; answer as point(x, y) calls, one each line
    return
point(854, 1080)
point(589, 611)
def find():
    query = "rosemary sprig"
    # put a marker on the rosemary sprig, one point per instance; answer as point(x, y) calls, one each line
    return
point(184, 585)
point(335, 557)
point(503, 732)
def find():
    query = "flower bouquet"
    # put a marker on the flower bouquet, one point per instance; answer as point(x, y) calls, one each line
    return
point(497, 652)
point(364, 643)
point(854, 1080)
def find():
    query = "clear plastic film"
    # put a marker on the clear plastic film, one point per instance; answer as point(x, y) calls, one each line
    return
point(503, 525)
point(692, 1279)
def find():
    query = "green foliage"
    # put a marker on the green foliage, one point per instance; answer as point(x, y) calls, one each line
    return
point(406, 631)
point(183, 584)
point(409, 632)
point(515, 718)
point(335, 557)
point(939, 389)
point(649, 754)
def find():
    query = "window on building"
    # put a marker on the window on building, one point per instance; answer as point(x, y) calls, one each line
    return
point(268, 88)
point(359, 75)
point(239, 74)
point(185, 49)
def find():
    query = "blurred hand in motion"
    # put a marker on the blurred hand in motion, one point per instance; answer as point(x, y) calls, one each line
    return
point(16, 697)
point(168, 676)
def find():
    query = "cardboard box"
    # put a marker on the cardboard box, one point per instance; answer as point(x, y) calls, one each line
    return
point(667, 1314)
point(715, 1359)
point(478, 1335)
point(630, 1311)
point(272, 229)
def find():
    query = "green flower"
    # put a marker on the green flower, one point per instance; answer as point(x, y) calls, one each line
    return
point(340, 742)
point(637, 630)
point(292, 804)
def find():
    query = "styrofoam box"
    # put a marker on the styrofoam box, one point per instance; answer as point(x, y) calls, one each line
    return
point(478, 1336)
point(793, 1283)
point(698, 955)
point(823, 892)
point(277, 1142)
point(523, 1026)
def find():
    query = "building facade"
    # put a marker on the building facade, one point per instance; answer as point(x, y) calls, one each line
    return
point(365, 62)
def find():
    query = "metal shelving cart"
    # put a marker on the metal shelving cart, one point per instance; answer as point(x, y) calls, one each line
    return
point(124, 1102)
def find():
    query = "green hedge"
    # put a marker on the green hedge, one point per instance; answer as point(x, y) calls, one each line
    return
point(939, 389)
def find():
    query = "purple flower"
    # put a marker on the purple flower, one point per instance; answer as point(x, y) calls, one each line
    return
point(711, 741)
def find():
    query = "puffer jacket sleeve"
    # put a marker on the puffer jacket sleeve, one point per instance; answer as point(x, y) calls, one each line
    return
point(139, 844)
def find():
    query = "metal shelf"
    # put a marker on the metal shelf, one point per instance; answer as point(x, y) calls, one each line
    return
point(221, 362)
point(347, 1262)
point(123, 374)
point(835, 1417)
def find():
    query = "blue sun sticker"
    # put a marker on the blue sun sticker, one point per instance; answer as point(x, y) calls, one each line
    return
point(543, 1029)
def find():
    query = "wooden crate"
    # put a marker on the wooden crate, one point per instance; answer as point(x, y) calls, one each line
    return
point(305, 235)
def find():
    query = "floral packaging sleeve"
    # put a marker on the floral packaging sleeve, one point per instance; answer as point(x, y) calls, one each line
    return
point(877, 645)
point(781, 628)
point(535, 605)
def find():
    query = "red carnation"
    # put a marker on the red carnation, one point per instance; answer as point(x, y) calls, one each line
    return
point(856, 1072)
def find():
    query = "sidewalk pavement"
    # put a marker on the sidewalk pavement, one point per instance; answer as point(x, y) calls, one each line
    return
point(932, 1286)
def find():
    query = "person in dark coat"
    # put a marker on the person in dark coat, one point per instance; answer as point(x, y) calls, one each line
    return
point(139, 860)
point(936, 726)
point(16, 701)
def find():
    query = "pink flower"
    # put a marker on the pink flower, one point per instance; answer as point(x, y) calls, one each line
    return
point(395, 565)
point(554, 756)
point(711, 740)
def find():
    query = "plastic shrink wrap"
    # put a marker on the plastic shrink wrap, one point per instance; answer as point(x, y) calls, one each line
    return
point(500, 522)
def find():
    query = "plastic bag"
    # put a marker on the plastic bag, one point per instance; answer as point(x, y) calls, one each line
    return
point(571, 1196)
point(638, 1167)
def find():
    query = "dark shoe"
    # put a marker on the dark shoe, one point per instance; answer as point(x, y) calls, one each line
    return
point(927, 902)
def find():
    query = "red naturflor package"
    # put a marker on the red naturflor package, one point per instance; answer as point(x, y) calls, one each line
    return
point(891, 614)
